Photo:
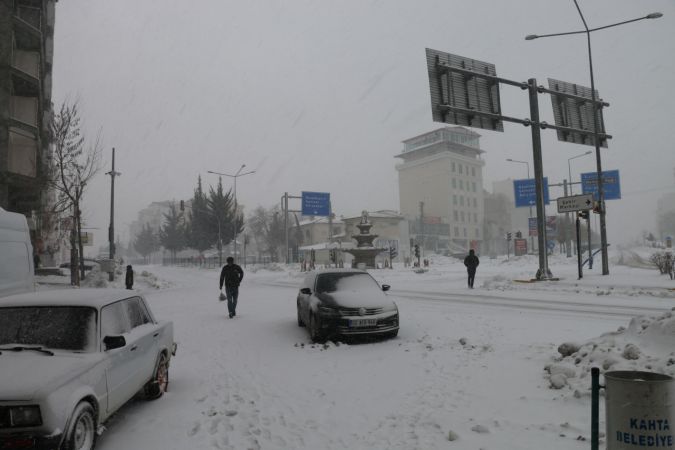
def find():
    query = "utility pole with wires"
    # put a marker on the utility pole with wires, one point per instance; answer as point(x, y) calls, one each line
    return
point(111, 229)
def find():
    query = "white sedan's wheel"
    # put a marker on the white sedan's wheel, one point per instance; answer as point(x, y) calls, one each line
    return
point(82, 430)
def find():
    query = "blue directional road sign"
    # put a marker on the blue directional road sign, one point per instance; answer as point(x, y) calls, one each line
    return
point(610, 184)
point(315, 203)
point(525, 192)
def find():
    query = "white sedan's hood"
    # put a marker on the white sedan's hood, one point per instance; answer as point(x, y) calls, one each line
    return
point(23, 374)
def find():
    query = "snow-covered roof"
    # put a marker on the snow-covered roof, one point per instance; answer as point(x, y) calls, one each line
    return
point(381, 214)
point(319, 220)
point(95, 298)
point(327, 245)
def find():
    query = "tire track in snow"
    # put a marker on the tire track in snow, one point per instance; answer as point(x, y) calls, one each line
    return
point(613, 310)
point(533, 304)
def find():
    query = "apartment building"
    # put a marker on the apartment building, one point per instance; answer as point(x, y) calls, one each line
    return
point(441, 189)
point(26, 55)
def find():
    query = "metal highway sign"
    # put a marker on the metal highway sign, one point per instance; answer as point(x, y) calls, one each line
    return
point(575, 203)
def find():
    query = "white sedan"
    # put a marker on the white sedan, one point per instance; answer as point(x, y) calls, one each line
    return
point(70, 358)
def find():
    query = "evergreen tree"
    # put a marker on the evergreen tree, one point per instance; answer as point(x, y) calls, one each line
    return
point(223, 220)
point(172, 234)
point(146, 242)
point(199, 237)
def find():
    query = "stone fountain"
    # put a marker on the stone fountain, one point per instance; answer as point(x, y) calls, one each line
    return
point(365, 252)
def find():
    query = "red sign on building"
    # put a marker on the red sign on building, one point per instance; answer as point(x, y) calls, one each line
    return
point(520, 247)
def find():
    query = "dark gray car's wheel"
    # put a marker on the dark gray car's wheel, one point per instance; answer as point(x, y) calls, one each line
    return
point(300, 322)
point(81, 433)
point(156, 387)
point(314, 329)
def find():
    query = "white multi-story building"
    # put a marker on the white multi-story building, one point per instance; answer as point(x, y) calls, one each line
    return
point(441, 189)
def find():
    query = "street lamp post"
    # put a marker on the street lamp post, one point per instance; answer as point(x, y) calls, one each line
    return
point(111, 229)
point(235, 176)
point(596, 140)
point(528, 177)
point(569, 167)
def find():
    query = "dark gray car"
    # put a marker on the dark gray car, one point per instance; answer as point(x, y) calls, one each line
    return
point(345, 302)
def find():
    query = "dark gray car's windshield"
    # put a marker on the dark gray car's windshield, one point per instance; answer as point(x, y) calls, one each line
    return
point(331, 282)
point(65, 328)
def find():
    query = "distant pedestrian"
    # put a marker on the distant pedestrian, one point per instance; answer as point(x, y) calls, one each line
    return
point(36, 260)
point(231, 275)
point(129, 278)
point(471, 262)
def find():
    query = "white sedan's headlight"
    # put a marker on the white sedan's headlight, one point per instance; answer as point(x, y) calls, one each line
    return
point(25, 416)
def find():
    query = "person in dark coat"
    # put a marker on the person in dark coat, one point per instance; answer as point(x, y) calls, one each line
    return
point(231, 275)
point(471, 262)
point(129, 278)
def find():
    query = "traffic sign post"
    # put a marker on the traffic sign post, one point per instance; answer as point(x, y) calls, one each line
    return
point(316, 204)
point(525, 192)
point(575, 203)
point(611, 184)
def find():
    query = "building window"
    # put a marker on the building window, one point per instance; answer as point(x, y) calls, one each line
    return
point(473, 186)
point(462, 215)
point(473, 171)
point(456, 232)
point(475, 218)
point(475, 203)
point(461, 200)
point(464, 232)
point(460, 168)
point(454, 200)
point(455, 215)
point(454, 183)
point(453, 167)
point(461, 185)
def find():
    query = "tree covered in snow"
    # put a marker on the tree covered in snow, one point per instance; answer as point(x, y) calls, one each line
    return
point(146, 242)
point(172, 234)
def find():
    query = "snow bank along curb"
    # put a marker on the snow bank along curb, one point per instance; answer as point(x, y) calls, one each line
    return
point(647, 344)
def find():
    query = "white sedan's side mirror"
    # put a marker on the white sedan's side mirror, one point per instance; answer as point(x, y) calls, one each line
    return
point(113, 342)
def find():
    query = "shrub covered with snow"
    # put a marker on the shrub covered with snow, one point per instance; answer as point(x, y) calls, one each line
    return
point(647, 344)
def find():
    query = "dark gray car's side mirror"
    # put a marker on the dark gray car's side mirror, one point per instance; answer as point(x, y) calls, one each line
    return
point(113, 342)
point(306, 291)
point(385, 287)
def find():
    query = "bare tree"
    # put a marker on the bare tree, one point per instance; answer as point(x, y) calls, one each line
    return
point(74, 164)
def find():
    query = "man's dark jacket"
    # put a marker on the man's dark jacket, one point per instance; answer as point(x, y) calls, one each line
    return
point(471, 262)
point(231, 275)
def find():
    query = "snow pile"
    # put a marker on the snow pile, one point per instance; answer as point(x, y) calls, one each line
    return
point(95, 279)
point(647, 344)
point(142, 281)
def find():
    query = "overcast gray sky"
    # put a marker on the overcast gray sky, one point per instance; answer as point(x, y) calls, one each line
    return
point(317, 95)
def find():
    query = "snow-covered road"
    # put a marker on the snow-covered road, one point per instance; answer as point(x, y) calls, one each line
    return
point(256, 382)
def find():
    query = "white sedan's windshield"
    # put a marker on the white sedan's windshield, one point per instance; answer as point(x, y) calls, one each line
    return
point(66, 328)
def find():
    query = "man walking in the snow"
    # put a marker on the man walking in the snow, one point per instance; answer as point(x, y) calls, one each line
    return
point(471, 262)
point(231, 276)
point(129, 278)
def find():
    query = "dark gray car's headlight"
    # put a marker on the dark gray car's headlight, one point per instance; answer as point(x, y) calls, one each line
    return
point(25, 416)
point(325, 310)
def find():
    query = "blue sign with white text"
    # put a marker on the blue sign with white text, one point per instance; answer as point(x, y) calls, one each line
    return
point(315, 204)
point(525, 192)
point(610, 184)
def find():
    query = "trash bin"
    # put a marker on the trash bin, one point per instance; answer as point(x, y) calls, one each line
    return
point(640, 409)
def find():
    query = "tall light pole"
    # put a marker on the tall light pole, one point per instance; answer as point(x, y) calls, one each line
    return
point(601, 190)
point(235, 176)
point(111, 229)
point(528, 222)
point(569, 167)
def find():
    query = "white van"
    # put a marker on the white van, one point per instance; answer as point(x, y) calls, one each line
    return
point(16, 254)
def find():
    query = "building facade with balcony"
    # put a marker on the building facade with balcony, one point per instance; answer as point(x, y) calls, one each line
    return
point(26, 56)
point(441, 189)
